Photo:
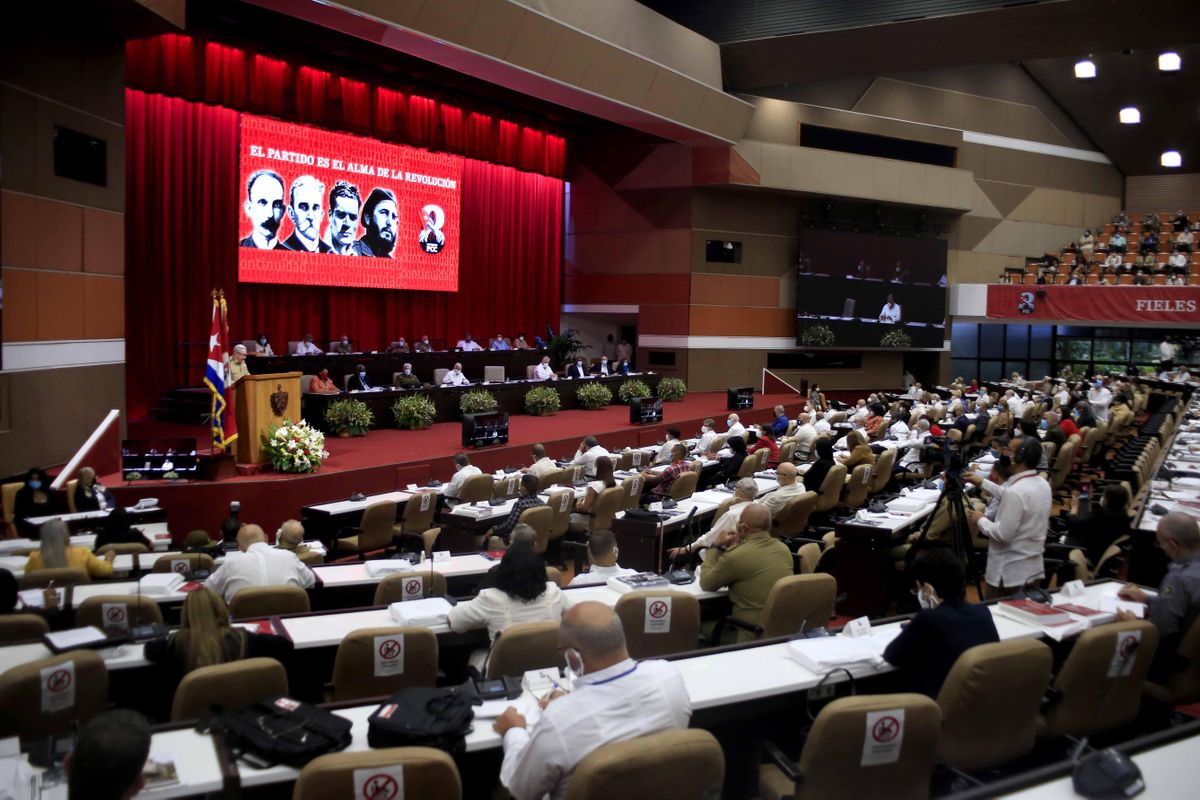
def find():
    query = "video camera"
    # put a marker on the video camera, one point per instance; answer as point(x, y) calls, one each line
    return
point(940, 450)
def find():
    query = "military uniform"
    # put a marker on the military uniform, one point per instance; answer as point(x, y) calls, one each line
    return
point(749, 570)
point(1178, 603)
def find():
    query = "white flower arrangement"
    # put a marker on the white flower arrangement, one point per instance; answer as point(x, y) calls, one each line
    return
point(295, 447)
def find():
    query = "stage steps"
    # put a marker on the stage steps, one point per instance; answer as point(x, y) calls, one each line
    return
point(188, 405)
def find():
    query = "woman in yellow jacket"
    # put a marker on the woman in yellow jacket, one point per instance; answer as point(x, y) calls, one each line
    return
point(860, 451)
point(55, 552)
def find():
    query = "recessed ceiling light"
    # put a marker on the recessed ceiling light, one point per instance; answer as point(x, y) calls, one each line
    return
point(1130, 115)
point(1085, 69)
point(1171, 158)
point(1170, 62)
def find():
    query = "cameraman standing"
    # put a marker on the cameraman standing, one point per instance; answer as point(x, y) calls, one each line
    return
point(1017, 537)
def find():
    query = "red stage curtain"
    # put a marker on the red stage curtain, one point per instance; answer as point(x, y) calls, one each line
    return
point(181, 217)
point(177, 65)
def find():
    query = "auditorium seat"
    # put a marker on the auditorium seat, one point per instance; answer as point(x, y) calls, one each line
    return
point(194, 561)
point(494, 374)
point(417, 516)
point(8, 496)
point(631, 492)
point(809, 555)
point(438, 375)
point(554, 575)
point(63, 576)
point(135, 610)
point(831, 489)
point(255, 602)
point(70, 488)
point(525, 646)
point(855, 493)
point(671, 765)
point(990, 703)
point(795, 603)
point(16, 628)
point(21, 689)
point(376, 530)
point(356, 668)
point(229, 686)
point(541, 519)
point(792, 519)
point(391, 588)
point(682, 625)
point(1087, 701)
point(128, 548)
point(881, 473)
point(305, 382)
point(561, 501)
point(831, 764)
point(476, 489)
point(685, 485)
point(292, 347)
point(429, 774)
point(1184, 684)
point(507, 487)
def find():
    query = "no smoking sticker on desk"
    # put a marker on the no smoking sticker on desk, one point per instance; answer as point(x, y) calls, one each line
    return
point(379, 783)
point(884, 737)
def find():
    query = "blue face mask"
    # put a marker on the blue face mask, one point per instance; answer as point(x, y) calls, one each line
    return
point(1044, 425)
point(35, 484)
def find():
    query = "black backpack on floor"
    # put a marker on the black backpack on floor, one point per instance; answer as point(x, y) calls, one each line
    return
point(280, 730)
point(425, 717)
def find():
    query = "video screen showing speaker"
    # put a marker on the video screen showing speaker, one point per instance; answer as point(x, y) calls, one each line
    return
point(485, 430)
point(645, 410)
point(330, 209)
point(159, 459)
point(864, 290)
point(739, 398)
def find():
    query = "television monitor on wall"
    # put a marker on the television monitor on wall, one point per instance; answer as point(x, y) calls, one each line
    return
point(485, 430)
point(739, 398)
point(645, 410)
point(864, 290)
point(321, 208)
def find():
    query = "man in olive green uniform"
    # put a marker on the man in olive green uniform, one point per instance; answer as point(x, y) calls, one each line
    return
point(406, 379)
point(749, 561)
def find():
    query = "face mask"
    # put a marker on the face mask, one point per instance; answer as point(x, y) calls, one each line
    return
point(263, 340)
point(408, 372)
point(579, 363)
point(362, 372)
point(926, 600)
point(1044, 425)
point(573, 658)
point(1097, 384)
point(604, 361)
point(35, 484)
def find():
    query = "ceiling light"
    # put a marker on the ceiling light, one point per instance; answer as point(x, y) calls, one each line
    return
point(1085, 69)
point(1130, 115)
point(1171, 158)
point(1170, 62)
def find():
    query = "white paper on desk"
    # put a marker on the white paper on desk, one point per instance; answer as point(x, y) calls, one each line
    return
point(35, 598)
point(822, 655)
point(18, 780)
point(76, 637)
point(1115, 604)
point(1065, 631)
point(388, 566)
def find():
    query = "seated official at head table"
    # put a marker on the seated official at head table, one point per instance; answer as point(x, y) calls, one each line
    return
point(499, 343)
point(256, 563)
point(467, 344)
point(321, 383)
point(307, 348)
point(359, 382)
point(262, 347)
point(614, 699)
point(407, 379)
point(342, 346)
point(398, 346)
point(543, 371)
point(577, 369)
point(455, 377)
point(423, 345)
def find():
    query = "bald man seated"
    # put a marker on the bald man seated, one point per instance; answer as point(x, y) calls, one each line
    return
point(256, 563)
point(291, 538)
point(748, 560)
point(613, 699)
point(789, 486)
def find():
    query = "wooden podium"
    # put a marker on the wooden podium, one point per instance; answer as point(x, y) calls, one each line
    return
point(260, 401)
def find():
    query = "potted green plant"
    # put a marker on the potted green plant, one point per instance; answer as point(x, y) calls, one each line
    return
point(542, 401)
point(593, 395)
point(477, 401)
point(672, 389)
point(414, 412)
point(897, 338)
point(564, 347)
point(633, 388)
point(816, 336)
point(349, 417)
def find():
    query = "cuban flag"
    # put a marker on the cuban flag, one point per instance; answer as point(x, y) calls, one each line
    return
point(224, 428)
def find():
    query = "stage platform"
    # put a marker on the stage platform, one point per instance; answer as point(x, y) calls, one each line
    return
point(389, 459)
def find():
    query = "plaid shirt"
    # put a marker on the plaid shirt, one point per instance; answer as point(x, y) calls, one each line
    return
point(523, 503)
point(666, 478)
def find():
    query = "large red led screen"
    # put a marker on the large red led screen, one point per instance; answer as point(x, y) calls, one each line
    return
point(329, 209)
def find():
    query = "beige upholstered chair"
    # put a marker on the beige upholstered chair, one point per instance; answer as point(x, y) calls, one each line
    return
point(265, 601)
point(831, 763)
point(123, 611)
point(358, 673)
point(16, 628)
point(429, 774)
point(232, 685)
point(990, 703)
point(376, 530)
point(391, 588)
point(678, 632)
point(21, 689)
point(671, 765)
point(525, 646)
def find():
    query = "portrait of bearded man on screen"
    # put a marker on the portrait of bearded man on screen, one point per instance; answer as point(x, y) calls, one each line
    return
point(264, 208)
point(380, 219)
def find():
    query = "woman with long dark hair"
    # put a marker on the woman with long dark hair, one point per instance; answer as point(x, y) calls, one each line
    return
point(520, 592)
point(731, 463)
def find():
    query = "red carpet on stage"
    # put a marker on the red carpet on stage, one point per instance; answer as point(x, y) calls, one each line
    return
point(389, 459)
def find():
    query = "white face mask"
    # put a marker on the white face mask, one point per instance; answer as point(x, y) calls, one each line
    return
point(927, 600)
point(573, 674)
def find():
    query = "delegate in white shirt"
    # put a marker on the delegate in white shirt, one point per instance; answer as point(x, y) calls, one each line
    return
point(890, 313)
point(598, 574)
point(307, 349)
point(706, 439)
point(736, 429)
point(1100, 399)
point(470, 347)
point(455, 378)
point(622, 702)
point(260, 565)
point(664, 452)
point(1017, 537)
point(454, 487)
point(543, 372)
point(497, 610)
point(588, 459)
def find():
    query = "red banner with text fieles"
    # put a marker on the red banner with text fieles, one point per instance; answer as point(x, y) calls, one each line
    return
point(330, 209)
point(1161, 304)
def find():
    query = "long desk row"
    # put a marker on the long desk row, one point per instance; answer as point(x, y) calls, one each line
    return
point(727, 679)
point(1182, 493)
point(381, 366)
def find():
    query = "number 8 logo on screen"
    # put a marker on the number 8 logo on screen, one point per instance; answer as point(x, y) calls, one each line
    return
point(432, 240)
